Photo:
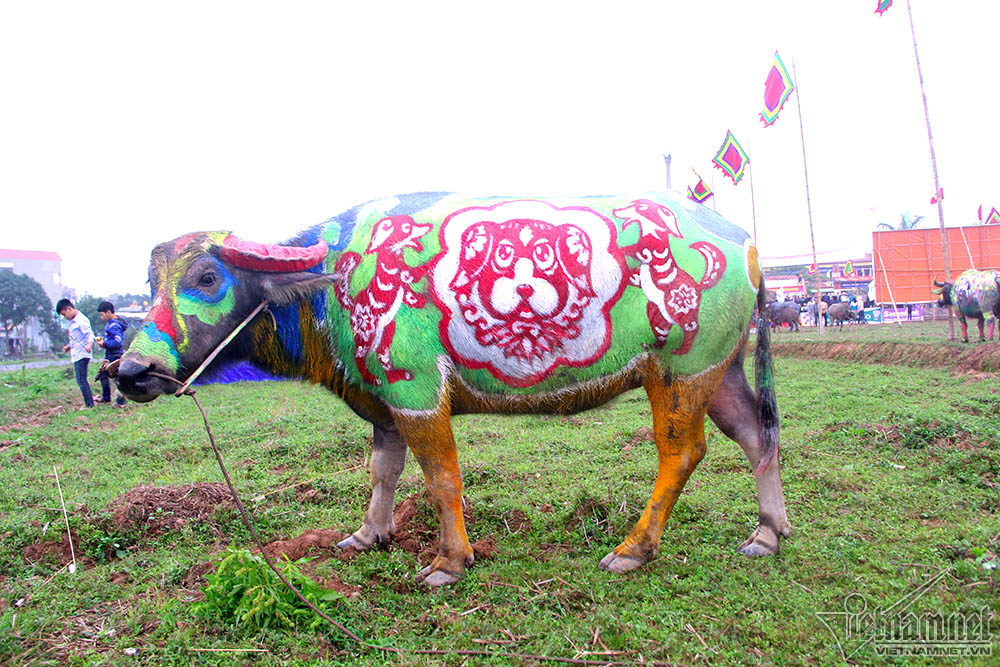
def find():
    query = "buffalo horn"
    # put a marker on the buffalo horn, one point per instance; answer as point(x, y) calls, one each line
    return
point(271, 258)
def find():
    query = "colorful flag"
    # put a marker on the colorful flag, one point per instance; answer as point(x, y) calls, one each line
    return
point(700, 193)
point(813, 269)
point(938, 196)
point(993, 219)
point(849, 268)
point(731, 159)
point(777, 87)
point(882, 6)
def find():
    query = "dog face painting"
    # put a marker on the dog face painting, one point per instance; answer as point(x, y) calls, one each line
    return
point(522, 290)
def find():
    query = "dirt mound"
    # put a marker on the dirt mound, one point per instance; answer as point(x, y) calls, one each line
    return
point(982, 358)
point(158, 509)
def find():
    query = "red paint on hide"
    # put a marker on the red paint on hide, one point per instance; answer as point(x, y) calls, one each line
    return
point(182, 241)
point(523, 289)
point(374, 309)
point(163, 318)
point(674, 296)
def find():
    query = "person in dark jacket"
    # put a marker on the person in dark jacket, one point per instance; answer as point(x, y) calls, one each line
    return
point(113, 343)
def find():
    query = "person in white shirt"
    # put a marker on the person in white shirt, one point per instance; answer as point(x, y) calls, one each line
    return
point(81, 342)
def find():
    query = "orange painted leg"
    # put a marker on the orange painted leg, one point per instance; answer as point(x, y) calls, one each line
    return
point(679, 431)
point(433, 444)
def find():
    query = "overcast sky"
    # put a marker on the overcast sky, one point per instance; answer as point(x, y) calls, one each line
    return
point(125, 124)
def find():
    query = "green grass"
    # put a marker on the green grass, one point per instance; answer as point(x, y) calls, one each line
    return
point(890, 476)
point(921, 333)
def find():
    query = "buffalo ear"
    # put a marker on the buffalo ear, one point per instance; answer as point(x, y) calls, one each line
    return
point(936, 291)
point(282, 289)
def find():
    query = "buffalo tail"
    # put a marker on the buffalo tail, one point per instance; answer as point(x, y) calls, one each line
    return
point(767, 404)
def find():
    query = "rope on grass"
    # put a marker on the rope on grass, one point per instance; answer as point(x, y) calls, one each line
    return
point(187, 391)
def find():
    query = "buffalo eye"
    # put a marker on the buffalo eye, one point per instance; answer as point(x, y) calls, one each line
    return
point(207, 280)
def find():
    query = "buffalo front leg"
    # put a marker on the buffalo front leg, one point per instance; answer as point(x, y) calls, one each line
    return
point(679, 431)
point(734, 411)
point(388, 459)
point(433, 445)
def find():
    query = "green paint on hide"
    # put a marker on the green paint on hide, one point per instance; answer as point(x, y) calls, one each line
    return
point(209, 313)
point(724, 310)
point(160, 350)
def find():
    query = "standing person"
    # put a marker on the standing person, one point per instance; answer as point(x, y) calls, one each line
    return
point(113, 343)
point(81, 342)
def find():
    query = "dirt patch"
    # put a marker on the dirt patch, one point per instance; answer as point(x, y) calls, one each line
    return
point(984, 358)
point(158, 509)
point(415, 535)
point(55, 553)
point(320, 544)
point(47, 409)
point(485, 549)
point(195, 576)
point(517, 521)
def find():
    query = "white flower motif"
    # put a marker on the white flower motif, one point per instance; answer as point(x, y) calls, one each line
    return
point(683, 299)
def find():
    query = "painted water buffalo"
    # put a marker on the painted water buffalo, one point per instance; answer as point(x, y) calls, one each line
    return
point(781, 312)
point(973, 294)
point(841, 312)
point(419, 307)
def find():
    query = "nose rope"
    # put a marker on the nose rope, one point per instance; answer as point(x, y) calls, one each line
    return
point(184, 389)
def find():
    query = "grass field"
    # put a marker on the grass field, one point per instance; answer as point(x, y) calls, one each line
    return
point(891, 476)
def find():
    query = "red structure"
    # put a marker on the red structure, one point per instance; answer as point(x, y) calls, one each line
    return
point(909, 261)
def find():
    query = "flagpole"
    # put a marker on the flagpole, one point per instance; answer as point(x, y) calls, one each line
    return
point(753, 205)
point(937, 182)
point(805, 170)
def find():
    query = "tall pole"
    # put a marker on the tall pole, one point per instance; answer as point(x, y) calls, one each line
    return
point(753, 206)
point(937, 182)
point(805, 170)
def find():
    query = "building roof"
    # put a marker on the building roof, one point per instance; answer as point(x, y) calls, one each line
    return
point(44, 255)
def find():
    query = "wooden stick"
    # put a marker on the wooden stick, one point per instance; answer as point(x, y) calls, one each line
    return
point(194, 376)
point(937, 181)
point(69, 535)
point(888, 286)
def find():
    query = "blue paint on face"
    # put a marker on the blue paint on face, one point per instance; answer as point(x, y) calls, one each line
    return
point(222, 287)
point(158, 336)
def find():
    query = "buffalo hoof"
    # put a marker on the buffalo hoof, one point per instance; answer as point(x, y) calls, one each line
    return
point(619, 563)
point(436, 578)
point(763, 542)
point(355, 542)
point(439, 574)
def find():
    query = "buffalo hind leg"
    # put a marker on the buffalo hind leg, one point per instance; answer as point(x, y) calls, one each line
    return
point(388, 459)
point(734, 411)
point(679, 431)
point(433, 445)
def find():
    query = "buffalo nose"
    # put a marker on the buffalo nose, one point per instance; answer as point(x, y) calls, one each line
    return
point(525, 291)
point(130, 373)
